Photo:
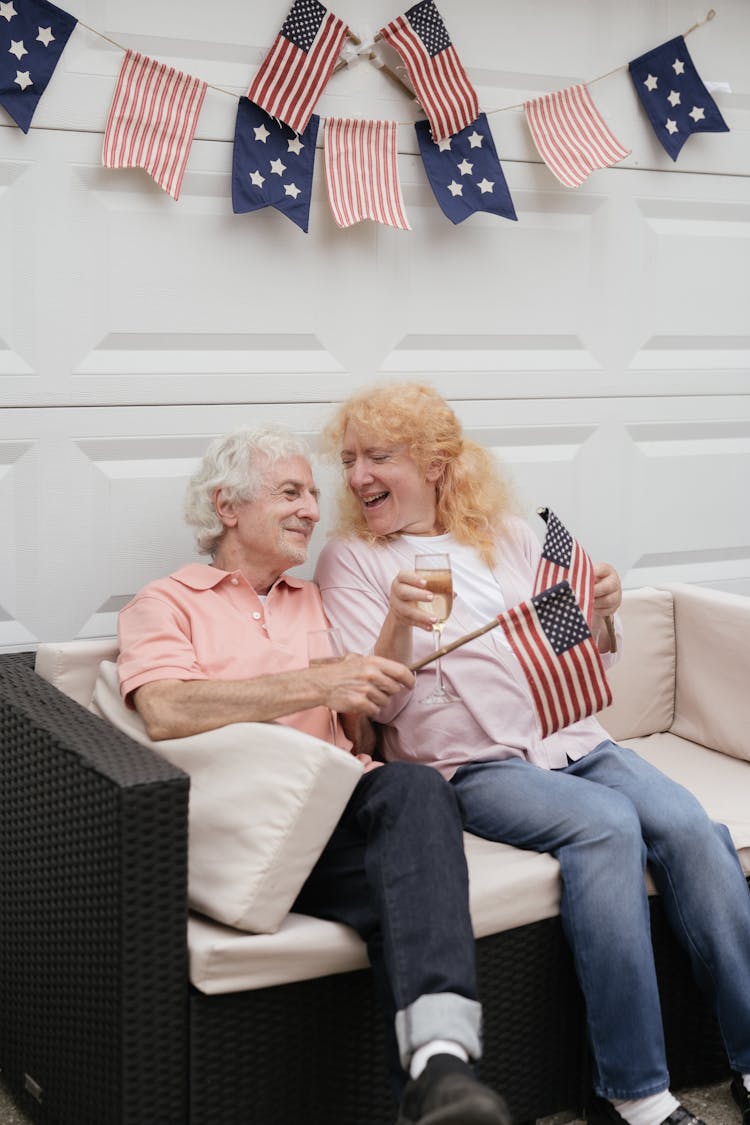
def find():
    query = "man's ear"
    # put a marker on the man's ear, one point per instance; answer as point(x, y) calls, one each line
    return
point(224, 509)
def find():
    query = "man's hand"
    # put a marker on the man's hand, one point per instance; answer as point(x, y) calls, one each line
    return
point(361, 684)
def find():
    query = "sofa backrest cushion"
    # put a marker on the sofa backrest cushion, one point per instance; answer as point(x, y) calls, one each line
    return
point(72, 666)
point(643, 679)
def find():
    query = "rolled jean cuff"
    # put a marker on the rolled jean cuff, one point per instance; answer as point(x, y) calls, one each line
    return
point(439, 1015)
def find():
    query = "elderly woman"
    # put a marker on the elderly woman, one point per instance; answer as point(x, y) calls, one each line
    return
point(415, 485)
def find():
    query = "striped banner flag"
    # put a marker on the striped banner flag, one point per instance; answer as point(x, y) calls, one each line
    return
point(152, 120)
point(560, 660)
point(434, 68)
point(571, 135)
point(362, 172)
point(564, 559)
point(295, 71)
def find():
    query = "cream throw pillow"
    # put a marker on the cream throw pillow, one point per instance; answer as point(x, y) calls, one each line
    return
point(264, 799)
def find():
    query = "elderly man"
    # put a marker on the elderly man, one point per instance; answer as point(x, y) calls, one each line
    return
point(227, 642)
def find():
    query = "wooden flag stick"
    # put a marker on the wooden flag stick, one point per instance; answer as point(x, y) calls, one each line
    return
point(454, 644)
point(611, 633)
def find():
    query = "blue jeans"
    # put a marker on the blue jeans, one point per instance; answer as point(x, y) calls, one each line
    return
point(394, 869)
point(603, 817)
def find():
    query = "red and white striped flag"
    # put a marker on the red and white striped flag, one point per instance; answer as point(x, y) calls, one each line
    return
point(152, 120)
point(560, 660)
point(564, 560)
point(571, 135)
point(434, 68)
point(295, 71)
point(362, 172)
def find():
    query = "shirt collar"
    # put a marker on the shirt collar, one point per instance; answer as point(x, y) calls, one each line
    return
point(200, 576)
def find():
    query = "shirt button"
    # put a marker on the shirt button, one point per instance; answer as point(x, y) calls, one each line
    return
point(235, 581)
point(256, 616)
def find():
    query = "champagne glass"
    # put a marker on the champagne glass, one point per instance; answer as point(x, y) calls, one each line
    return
point(436, 570)
point(325, 646)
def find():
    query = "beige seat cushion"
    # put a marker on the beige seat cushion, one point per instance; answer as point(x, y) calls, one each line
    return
point(264, 799)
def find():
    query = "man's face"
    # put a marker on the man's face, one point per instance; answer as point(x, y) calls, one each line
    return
point(275, 528)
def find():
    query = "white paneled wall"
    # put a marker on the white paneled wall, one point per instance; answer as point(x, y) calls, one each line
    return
point(600, 345)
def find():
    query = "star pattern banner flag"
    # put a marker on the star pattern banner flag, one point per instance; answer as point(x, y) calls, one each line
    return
point(33, 36)
point(571, 135)
point(434, 68)
point(564, 559)
point(464, 171)
point(152, 120)
point(560, 660)
point(296, 70)
point(362, 172)
point(272, 166)
point(673, 95)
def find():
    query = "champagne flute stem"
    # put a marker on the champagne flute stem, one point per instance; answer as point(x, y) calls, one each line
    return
point(438, 670)
point(332, 721)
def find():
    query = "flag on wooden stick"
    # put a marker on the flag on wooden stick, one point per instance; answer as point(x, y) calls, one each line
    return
point(296, 70)
point(362, 172)
point(434, 68)
point(152, 120)
point(560, 660)
point(564, 559)
point(571, 135)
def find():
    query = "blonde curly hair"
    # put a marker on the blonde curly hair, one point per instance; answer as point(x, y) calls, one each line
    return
point(473, 496)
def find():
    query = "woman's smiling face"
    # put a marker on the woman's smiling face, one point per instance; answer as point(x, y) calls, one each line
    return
point(393, 492)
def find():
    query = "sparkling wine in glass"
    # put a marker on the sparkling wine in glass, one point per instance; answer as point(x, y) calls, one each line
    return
point(325, 646)
point(436, 571)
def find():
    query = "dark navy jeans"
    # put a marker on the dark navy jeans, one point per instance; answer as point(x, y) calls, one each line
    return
point(394, 870)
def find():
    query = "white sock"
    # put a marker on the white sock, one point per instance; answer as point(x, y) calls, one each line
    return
point(434, 1047)
point(647, 1111)
point(746, 1081)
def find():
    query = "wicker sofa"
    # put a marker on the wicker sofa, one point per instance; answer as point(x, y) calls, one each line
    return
point(118, 1006)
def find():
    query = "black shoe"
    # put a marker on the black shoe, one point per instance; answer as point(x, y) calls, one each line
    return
point(742, 1097)
point(602, 1112)
point(448, 1092)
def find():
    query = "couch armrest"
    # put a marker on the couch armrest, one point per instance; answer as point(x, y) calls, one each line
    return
point(712, 697)
point(93, 857)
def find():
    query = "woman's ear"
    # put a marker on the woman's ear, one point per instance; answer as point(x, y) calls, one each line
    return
point(434, 472)
point(224, 509)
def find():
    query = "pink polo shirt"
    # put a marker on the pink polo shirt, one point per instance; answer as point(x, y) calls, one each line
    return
point(202, 623)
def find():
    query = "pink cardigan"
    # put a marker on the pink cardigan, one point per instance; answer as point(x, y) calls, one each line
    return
point(495, 717)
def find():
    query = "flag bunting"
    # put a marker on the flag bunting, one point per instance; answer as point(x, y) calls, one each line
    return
point(272, 166)
point(152, 120)
point(464, 171)
point(571, 135)
point(296, 70)
point(435, 71)
point(559, 658)
point(32, 39)
point(362, 172)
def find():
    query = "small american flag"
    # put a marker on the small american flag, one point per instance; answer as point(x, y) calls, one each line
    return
point(152, 120)
point(295, 71)
point(571, 135)
point(554, 646)
point(564, 559)
point(362, 172)
point(434, 68)
point(33, 36)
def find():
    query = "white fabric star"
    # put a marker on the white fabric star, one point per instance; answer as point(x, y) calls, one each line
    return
point(294, 144)
point(465, 167)
point(455, 189)
point(17, 48)
point(8, 10)
point(651, 82)
point(673, 98)
point(45, 36)
point(485, 185)
point(671, 126)
point(23, 79)
point(257, 179)
point(292, 189)
point(697, 113)
point(444, 146)
point(678, 66)
point(261, 133)
point(475, 139)
point(278, 168)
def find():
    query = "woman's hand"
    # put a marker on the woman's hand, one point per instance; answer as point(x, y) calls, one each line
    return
point(607, 590)
point(407, 591)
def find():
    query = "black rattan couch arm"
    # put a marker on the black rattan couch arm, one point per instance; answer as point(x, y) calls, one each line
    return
point(93, 909)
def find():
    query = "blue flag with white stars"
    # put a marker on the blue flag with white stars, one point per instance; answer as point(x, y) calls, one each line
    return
point(673, 95)
point(464, 171)
point(33, 36)
point(272, 166)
